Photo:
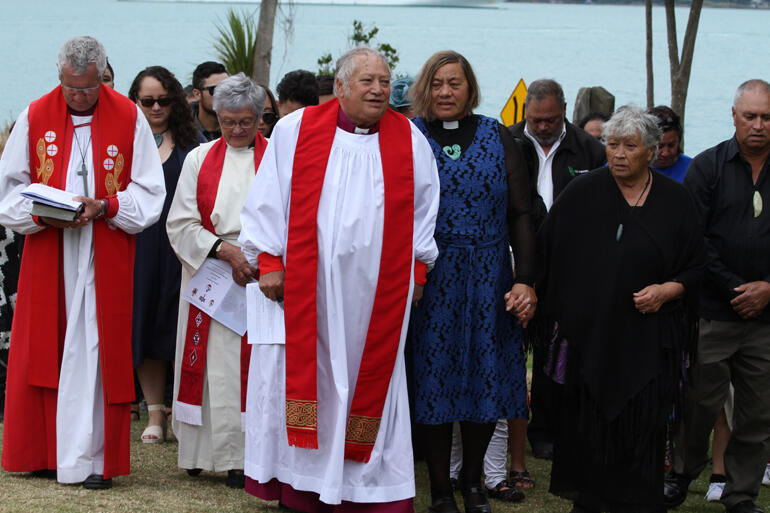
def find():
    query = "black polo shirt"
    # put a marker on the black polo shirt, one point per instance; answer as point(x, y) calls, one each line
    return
point(738, 243)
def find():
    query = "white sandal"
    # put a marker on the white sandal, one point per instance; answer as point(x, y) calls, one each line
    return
point(155, 434)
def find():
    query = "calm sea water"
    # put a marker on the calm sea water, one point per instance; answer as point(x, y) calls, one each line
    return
point(578, 45)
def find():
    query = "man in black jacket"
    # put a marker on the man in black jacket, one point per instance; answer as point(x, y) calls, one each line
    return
point(555, 151)
point(729, 186)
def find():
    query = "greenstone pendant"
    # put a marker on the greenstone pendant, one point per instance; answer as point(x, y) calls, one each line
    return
point(757, 202)
point(453, 152)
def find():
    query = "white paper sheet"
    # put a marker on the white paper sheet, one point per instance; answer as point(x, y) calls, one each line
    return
point(213, 290)
point(265, 317)
point(51, 196)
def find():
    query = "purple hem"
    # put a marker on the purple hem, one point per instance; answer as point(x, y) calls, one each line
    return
point(308, 502)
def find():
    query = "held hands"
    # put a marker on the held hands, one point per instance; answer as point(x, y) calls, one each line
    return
point(93, 209)
point(752, 299)
point(243, 271)
point(521, 301)
point(652, 297)
point(271, 285)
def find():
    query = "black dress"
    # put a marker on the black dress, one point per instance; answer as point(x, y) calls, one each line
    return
point(157, 278)
point(624, 369)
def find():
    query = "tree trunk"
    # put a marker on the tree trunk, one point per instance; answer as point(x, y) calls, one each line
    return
point(263, 48)
point(680, 69)
point(650, 79)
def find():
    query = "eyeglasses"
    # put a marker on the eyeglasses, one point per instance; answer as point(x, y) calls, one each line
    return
point(84, 90)
point(245, 124)
point(210, 89)
point(269, 118)
point(149, 102)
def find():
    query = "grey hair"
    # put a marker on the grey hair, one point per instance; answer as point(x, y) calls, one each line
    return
point(346, 65)
point(543, 88)
point(630, 120)
point(239, 92)
point(81, 51)
point(754, 83)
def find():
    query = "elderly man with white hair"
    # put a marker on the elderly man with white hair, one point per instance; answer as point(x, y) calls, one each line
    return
point(340, 220)
point(70, 379)
point(204, 222)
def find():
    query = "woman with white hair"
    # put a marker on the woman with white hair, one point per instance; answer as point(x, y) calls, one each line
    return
point(204, 222)
point(622, 255)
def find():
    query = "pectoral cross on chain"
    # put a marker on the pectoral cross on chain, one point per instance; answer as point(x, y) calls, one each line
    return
point(84, 173)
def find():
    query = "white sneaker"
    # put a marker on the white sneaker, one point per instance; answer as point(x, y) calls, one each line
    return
point(714, 492)
point(766, 478)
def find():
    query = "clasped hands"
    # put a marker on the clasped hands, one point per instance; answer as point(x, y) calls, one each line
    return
point(752, 299)
point(521, 301)
point(243, 271)
point(652, 297)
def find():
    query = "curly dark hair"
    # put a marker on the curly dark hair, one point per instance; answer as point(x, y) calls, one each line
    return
point(299, 86)
point(180, 122)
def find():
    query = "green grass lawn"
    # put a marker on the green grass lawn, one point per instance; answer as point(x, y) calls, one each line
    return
point(156, 484)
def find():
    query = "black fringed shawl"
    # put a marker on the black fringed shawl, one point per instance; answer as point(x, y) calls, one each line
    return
point(588, 278)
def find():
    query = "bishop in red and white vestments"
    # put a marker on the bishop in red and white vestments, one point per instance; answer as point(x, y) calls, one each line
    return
point(70, 372)
point(350, 216)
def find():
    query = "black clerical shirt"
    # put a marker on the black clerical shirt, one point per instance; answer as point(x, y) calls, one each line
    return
point(737, 242)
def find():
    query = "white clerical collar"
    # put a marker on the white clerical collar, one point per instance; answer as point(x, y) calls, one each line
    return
point(451, 125)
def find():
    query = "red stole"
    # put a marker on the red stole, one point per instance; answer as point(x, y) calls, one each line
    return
point(190, 395)
point(316, 135)
point(40, 317)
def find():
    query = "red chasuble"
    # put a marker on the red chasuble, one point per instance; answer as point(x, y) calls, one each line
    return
point(39, 323)
point(316, 136)
point(196, 340)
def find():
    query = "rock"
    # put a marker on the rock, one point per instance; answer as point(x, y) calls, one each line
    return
point(592, 99)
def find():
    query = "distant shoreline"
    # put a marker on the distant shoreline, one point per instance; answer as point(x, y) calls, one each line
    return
point(718, 4)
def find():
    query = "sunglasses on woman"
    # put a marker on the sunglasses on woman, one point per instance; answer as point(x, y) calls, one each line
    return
point(149, 102)
point(269, 118)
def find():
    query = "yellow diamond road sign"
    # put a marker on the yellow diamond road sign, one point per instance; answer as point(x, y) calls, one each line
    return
point(513, 111)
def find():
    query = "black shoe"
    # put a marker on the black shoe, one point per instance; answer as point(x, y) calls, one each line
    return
point(542, 450)
point(444, 505)
point(235, 479)
point(505, 491)
point(746, 506)
point(44, 473)
point(674, 490)
point(97, 482)
point(194, 472)
point(476, 500)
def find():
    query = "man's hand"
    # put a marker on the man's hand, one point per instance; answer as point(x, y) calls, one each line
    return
point(521, 301)
point(417, 294)
point(243, 271)
point(752, 299)
point(93, 209)
point(271, 285)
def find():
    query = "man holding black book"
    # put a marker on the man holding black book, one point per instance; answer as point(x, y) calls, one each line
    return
point(70, 380)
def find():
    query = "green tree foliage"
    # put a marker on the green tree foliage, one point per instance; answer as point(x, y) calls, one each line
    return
point(361, 35)
point(234, 44)
point(326, 65)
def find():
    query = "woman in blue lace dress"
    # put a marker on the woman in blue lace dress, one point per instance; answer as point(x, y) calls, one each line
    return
point(467, 360)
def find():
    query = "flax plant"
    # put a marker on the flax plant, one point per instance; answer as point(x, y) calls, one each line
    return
point(234, 43)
